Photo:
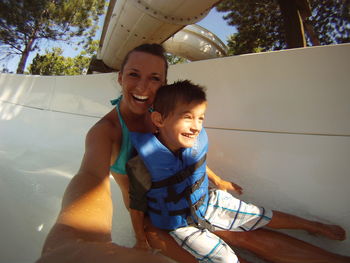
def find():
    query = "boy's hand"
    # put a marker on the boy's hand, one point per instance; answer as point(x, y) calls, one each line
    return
point(222, 184)
point(229, 186)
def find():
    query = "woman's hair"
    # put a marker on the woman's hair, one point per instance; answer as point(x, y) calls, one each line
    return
point(180, 92)
point(153, 49)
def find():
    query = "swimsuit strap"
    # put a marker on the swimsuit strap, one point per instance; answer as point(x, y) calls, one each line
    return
point(116, 102)
point(126, 147)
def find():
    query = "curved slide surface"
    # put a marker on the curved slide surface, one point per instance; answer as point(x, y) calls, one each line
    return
point(285, 138)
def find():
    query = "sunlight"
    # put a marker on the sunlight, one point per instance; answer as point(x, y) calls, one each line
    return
point(40, 227)
point(9, 111)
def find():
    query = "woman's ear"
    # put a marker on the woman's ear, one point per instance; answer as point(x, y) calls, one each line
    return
point(157, 119)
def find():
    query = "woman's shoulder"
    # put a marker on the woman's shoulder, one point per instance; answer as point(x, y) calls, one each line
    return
point(108, 126)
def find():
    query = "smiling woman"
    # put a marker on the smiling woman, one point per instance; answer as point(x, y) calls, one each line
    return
point(138, 90)
point(85, 220)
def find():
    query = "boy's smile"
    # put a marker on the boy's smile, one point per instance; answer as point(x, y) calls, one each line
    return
point(181, 127)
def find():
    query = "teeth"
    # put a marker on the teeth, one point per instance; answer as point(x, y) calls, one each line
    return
point(139, 97)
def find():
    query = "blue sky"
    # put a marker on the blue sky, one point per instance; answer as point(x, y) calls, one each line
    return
point(217, 25)
point(213, 22)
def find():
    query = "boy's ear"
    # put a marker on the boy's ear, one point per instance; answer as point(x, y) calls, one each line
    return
point(157, 119)
point(120, 78)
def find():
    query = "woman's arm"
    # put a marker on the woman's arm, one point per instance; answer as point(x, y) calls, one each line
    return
point(86, 212)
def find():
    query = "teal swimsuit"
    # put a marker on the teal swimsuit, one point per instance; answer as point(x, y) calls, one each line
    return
point(126, 148)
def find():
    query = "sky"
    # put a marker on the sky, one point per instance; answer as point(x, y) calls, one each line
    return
point(213, 22)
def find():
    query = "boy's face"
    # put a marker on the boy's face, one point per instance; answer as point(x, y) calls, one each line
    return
point(181, 127)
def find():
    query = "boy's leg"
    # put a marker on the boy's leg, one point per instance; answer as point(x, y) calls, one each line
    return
point(279, 248)
point(269, 245)
point(226, 212)
point(204, 245)
point(161, 240)
point(286, 221)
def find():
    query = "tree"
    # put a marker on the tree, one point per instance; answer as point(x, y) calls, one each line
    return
point(260, 24)
point(24, 24)
point(173, 59)
point(53, 63)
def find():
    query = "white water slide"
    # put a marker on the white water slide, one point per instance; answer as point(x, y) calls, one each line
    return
point(278, 125)
point(132, 22)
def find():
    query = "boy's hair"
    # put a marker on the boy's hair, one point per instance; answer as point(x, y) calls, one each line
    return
point(182, 91)
point(153, 49)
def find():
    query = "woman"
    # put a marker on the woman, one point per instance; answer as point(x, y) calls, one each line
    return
point(82, 232)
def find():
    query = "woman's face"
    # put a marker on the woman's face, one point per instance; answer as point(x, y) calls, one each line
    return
point(142, 76)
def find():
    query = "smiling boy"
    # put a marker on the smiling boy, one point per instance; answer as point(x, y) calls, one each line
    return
point(178, 199)
point(169, 182)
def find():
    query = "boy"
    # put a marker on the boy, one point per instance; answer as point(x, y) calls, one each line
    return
point(178, 198)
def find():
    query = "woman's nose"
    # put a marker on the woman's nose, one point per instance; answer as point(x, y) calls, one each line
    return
point(141, 85)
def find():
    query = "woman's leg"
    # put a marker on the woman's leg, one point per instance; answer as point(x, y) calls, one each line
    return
point(161, 240)
point(282, 220)
point(279, 248)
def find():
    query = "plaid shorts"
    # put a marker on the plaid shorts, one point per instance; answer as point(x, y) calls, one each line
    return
point(225, 212)
point(205, 246)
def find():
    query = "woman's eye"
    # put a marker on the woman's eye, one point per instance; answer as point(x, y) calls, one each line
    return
point(156, 78)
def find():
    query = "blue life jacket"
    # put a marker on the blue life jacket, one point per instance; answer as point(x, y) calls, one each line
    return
point(179, 193)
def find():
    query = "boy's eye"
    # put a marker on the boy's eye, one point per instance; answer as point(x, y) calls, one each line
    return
point(187, 116)
point(133, 74)
point(201, 118)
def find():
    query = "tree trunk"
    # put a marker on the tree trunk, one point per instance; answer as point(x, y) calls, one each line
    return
point(311, 33)
point(295, 36)
point(24, 57)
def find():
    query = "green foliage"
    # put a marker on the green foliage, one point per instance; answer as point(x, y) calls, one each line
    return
point(24, 24)
point(331, 19)
point(260, 23)
point(173, 59)
point(53, 63)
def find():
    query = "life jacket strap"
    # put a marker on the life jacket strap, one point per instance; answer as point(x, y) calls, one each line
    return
point(179, 176)
point(176, 197)
point(200, 222)
point(185, 211)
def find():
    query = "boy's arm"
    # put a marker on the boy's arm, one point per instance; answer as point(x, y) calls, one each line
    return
point(138, 225)
point(139, 184)
point(222, 184)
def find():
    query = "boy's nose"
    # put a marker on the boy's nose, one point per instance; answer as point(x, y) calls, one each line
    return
point(196, 126)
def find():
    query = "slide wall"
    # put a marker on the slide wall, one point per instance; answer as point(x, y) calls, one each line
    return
point(278, 125)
